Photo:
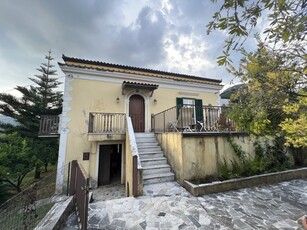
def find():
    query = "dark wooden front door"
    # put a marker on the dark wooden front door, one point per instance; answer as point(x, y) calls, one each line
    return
point(109, 170)
point(104, 176)
point(137, 112)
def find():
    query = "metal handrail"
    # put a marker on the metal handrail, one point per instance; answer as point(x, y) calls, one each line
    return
point(191, 118)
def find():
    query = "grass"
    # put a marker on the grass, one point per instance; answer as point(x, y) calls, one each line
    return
point(29, 178)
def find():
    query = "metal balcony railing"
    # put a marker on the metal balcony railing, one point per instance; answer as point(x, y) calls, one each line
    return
point(191, 118)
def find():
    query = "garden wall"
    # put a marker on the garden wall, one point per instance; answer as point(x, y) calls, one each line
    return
point(247, 182)
point(194, 155)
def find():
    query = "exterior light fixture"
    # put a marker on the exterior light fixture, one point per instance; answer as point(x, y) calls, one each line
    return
point(117, 100)
point(155, 101)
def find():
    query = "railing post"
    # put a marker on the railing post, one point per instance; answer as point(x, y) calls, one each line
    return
point(164, 122)
point(72, 190)
point(181, 118)
point(41, 124)
point(153, 123)
point(135, 176)
point(85, 204)
point(68, 178)
point(90, 123)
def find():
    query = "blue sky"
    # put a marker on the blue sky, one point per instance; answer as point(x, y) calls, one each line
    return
point(167, 35)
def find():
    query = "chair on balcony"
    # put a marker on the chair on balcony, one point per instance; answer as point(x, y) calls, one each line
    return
point(186, 120)
point(201, 124)
point(172, 126)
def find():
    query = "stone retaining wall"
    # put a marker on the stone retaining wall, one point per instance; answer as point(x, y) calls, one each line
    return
point(233, 184)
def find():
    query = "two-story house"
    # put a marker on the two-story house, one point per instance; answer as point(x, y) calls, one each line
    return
point(99, 98)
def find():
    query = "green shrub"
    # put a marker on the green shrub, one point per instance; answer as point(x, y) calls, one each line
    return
point(224, 172)
point(268, 158)
point(236, 169)
point(242, 155)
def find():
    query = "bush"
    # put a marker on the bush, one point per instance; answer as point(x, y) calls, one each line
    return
point(268, 158)
point(224, 172)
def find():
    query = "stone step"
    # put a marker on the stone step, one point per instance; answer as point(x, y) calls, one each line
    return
point(151, 155)
point(149, 146)
point(158, 178)
point(149, 149)
point(144, 135)
point(153, 161)
point(154, 143)
point(146, 140)
point(152, 152)
point(156, 169)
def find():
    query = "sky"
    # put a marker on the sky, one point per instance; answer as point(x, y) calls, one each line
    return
point(168, 35)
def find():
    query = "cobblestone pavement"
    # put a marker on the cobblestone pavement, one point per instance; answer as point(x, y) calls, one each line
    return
point(169, 206)
point(108, 192)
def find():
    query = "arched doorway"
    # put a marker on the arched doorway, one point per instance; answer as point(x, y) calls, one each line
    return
point(137, 112)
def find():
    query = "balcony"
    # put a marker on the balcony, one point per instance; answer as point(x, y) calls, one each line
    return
point(102, 126)
point(49, 126)
point(106, 126)
point(191, 118)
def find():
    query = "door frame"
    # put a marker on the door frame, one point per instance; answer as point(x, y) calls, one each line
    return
point(123, 159)
point(146, 98)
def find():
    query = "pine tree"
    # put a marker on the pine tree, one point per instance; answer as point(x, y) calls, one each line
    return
point(41, 98)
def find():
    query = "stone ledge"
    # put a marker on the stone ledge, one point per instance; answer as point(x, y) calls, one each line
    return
point(57, 215)
point(215, 134)
point(247, 182)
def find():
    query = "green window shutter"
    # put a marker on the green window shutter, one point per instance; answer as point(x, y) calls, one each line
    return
point(199, 110)
point(179, 104)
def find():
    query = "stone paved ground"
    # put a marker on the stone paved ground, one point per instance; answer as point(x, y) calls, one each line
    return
point(168, 206)
point(109, 192)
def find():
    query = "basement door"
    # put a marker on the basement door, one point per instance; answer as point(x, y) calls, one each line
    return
point(109, 164)
point(137, 112)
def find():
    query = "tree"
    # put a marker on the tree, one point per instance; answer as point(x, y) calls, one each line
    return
point(273, 101)
point(269, 86)
point(295, 125)
point(15, 160)
point(40, 99)
point(286, 31)
point(4, 191)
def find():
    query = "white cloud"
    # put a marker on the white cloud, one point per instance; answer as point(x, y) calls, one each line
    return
point(163, 34)
point(184, 56)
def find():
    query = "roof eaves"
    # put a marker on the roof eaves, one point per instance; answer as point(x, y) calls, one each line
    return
point(124, 67)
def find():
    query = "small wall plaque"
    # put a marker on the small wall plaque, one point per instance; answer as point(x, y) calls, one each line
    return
point(86, 156)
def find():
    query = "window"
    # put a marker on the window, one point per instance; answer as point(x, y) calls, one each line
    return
point(196, 104)
point(188, 102)
point(190, 105)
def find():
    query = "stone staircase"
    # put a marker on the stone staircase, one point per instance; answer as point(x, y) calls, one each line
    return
point(155, 166)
